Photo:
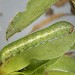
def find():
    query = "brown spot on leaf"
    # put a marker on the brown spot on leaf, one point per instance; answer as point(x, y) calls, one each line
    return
point(72, 28)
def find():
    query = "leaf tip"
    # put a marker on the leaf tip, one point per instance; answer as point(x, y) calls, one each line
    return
point(10, 32)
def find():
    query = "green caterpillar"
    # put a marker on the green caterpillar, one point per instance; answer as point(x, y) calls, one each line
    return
point(34, 39)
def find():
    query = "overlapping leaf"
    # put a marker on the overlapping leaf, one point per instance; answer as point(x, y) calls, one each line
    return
point(49, 73)
point(66, 64)
point(34, 9)
point(34, 66)
point(60, 73)
point(60, 67)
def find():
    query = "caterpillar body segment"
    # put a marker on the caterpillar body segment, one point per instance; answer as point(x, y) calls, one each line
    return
point(40, 37)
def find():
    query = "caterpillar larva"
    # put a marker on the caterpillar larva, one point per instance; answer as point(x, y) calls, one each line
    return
point(34, 39)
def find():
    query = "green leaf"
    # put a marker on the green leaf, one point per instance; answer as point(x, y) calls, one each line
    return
point(60, 73)
point(36, 65)
point(49, 50)
point(48, 73)
point(65, 64)
point(17, 73)
point(35, 8)
point(73, 47)
point(61, 64)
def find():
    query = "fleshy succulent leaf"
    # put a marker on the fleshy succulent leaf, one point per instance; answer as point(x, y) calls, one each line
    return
point(34, 9)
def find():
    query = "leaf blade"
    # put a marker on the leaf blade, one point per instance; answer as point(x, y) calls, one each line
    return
point(73, 47)
point(35, 8)
point(59, 67)
point(64, 65)
point(61, 73)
